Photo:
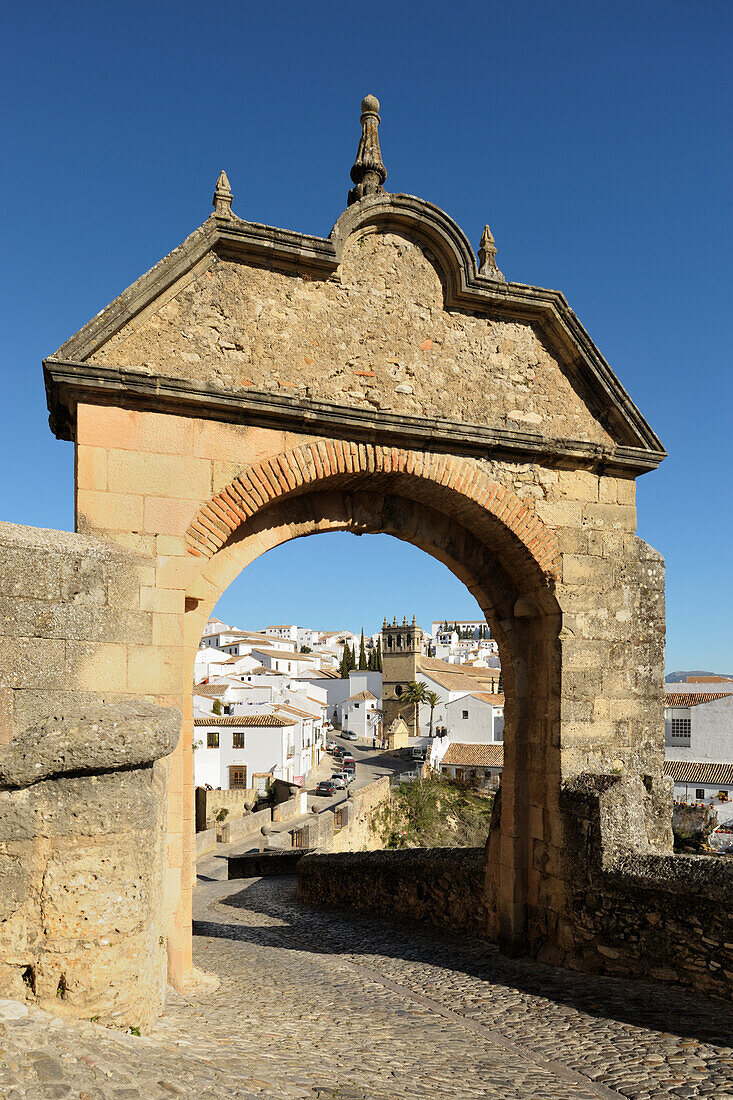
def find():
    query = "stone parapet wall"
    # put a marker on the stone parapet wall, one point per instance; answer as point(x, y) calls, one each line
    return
point(358, 832)
point(83, 782)
point(638, 912)
point(348, 826)
point(82, 860)
point(444, 886)
point(237, 830)
point(208, 803)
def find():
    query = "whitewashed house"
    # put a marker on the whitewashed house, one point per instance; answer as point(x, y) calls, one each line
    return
point(243, 751)
point(477, 718)
point(361, 714)
point(286, 633)
point(285, 660)
point(698, 737)
point(472, 762)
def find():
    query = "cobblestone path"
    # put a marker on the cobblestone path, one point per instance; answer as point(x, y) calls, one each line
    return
point(342, 1006)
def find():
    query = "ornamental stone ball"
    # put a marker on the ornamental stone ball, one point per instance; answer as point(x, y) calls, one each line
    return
point(266, 830)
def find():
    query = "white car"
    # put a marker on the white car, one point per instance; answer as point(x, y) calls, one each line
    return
point(349, 735)
point(344, 777)
point(339, 782)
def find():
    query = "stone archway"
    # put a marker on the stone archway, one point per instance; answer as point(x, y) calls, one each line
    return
point(504, 555)
point(259, 385)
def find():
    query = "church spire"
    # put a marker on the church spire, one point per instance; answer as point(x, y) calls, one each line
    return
point(368, 172)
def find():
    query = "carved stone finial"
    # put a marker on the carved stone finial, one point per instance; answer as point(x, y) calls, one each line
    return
point(222, 201)
point(368, 172)
point(487, 257)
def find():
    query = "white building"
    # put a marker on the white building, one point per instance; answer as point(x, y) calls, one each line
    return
point(698, 737)
point(339, 689)
point(244, 750)
point(472, 762)
point(285, 660)
point(477, 718)
point(452, 681)
point(287, 633)
point(361, 714)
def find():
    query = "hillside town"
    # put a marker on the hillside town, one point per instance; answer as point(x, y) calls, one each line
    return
point(268, 704)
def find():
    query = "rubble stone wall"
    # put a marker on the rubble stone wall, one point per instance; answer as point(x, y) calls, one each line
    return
point(443, 886)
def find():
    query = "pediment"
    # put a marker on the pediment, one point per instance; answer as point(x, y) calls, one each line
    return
point(387, 321)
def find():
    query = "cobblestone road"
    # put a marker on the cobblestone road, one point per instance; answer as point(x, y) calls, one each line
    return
point(343, 1006)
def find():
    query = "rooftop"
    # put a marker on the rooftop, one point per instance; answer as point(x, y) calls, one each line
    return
point(693, 698)
point(699, 771)
point(469, 754)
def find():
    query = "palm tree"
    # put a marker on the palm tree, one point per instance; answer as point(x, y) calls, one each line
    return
point(414, 695)
point(431, 699)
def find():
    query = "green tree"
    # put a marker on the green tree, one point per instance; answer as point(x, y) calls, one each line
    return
point(378, 667)
point(305, 649)
point(362, 653)
point(216, 707)
point(431, 699)
point(414, 695)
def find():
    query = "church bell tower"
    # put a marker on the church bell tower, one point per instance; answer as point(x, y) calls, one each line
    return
point(401, 650)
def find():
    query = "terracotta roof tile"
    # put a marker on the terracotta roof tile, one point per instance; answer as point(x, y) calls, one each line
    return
point(465, 754)
point(699, 771)
point(241, 721)
point(693, 698)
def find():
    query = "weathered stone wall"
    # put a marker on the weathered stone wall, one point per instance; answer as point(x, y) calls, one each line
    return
point(444, 886)
point(348, 827)
point(82, 860)
point(237, 829)
point(635, 912)
point(359, 833)
point(209, 802)
point(378, 338)
point(82, 801)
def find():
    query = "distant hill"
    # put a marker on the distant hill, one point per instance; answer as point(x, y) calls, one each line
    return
point(680, 677)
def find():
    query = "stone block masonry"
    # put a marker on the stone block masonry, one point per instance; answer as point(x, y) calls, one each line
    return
point(83, 781)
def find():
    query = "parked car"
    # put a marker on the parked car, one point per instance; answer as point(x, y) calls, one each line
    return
point(325, 787)
point(349, 735)
point(419, 752)
point(331, 746)
point(344, 777)
point(338, 781)
point(348, 763)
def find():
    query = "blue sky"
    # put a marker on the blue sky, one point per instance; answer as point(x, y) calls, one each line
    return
point(593, 138)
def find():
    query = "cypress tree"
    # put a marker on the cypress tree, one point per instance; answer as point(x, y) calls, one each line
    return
point(362, 653)
point(378, 659)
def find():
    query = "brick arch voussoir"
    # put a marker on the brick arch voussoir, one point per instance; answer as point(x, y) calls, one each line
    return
point(330, 461)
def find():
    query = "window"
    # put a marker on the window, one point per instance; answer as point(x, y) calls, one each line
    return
point(238, 739)
point(681, 729)
point(699, 794)
point(237, 776)
point(356, 706)
point(212, 739)
point(464, 714)
point(398, 690)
